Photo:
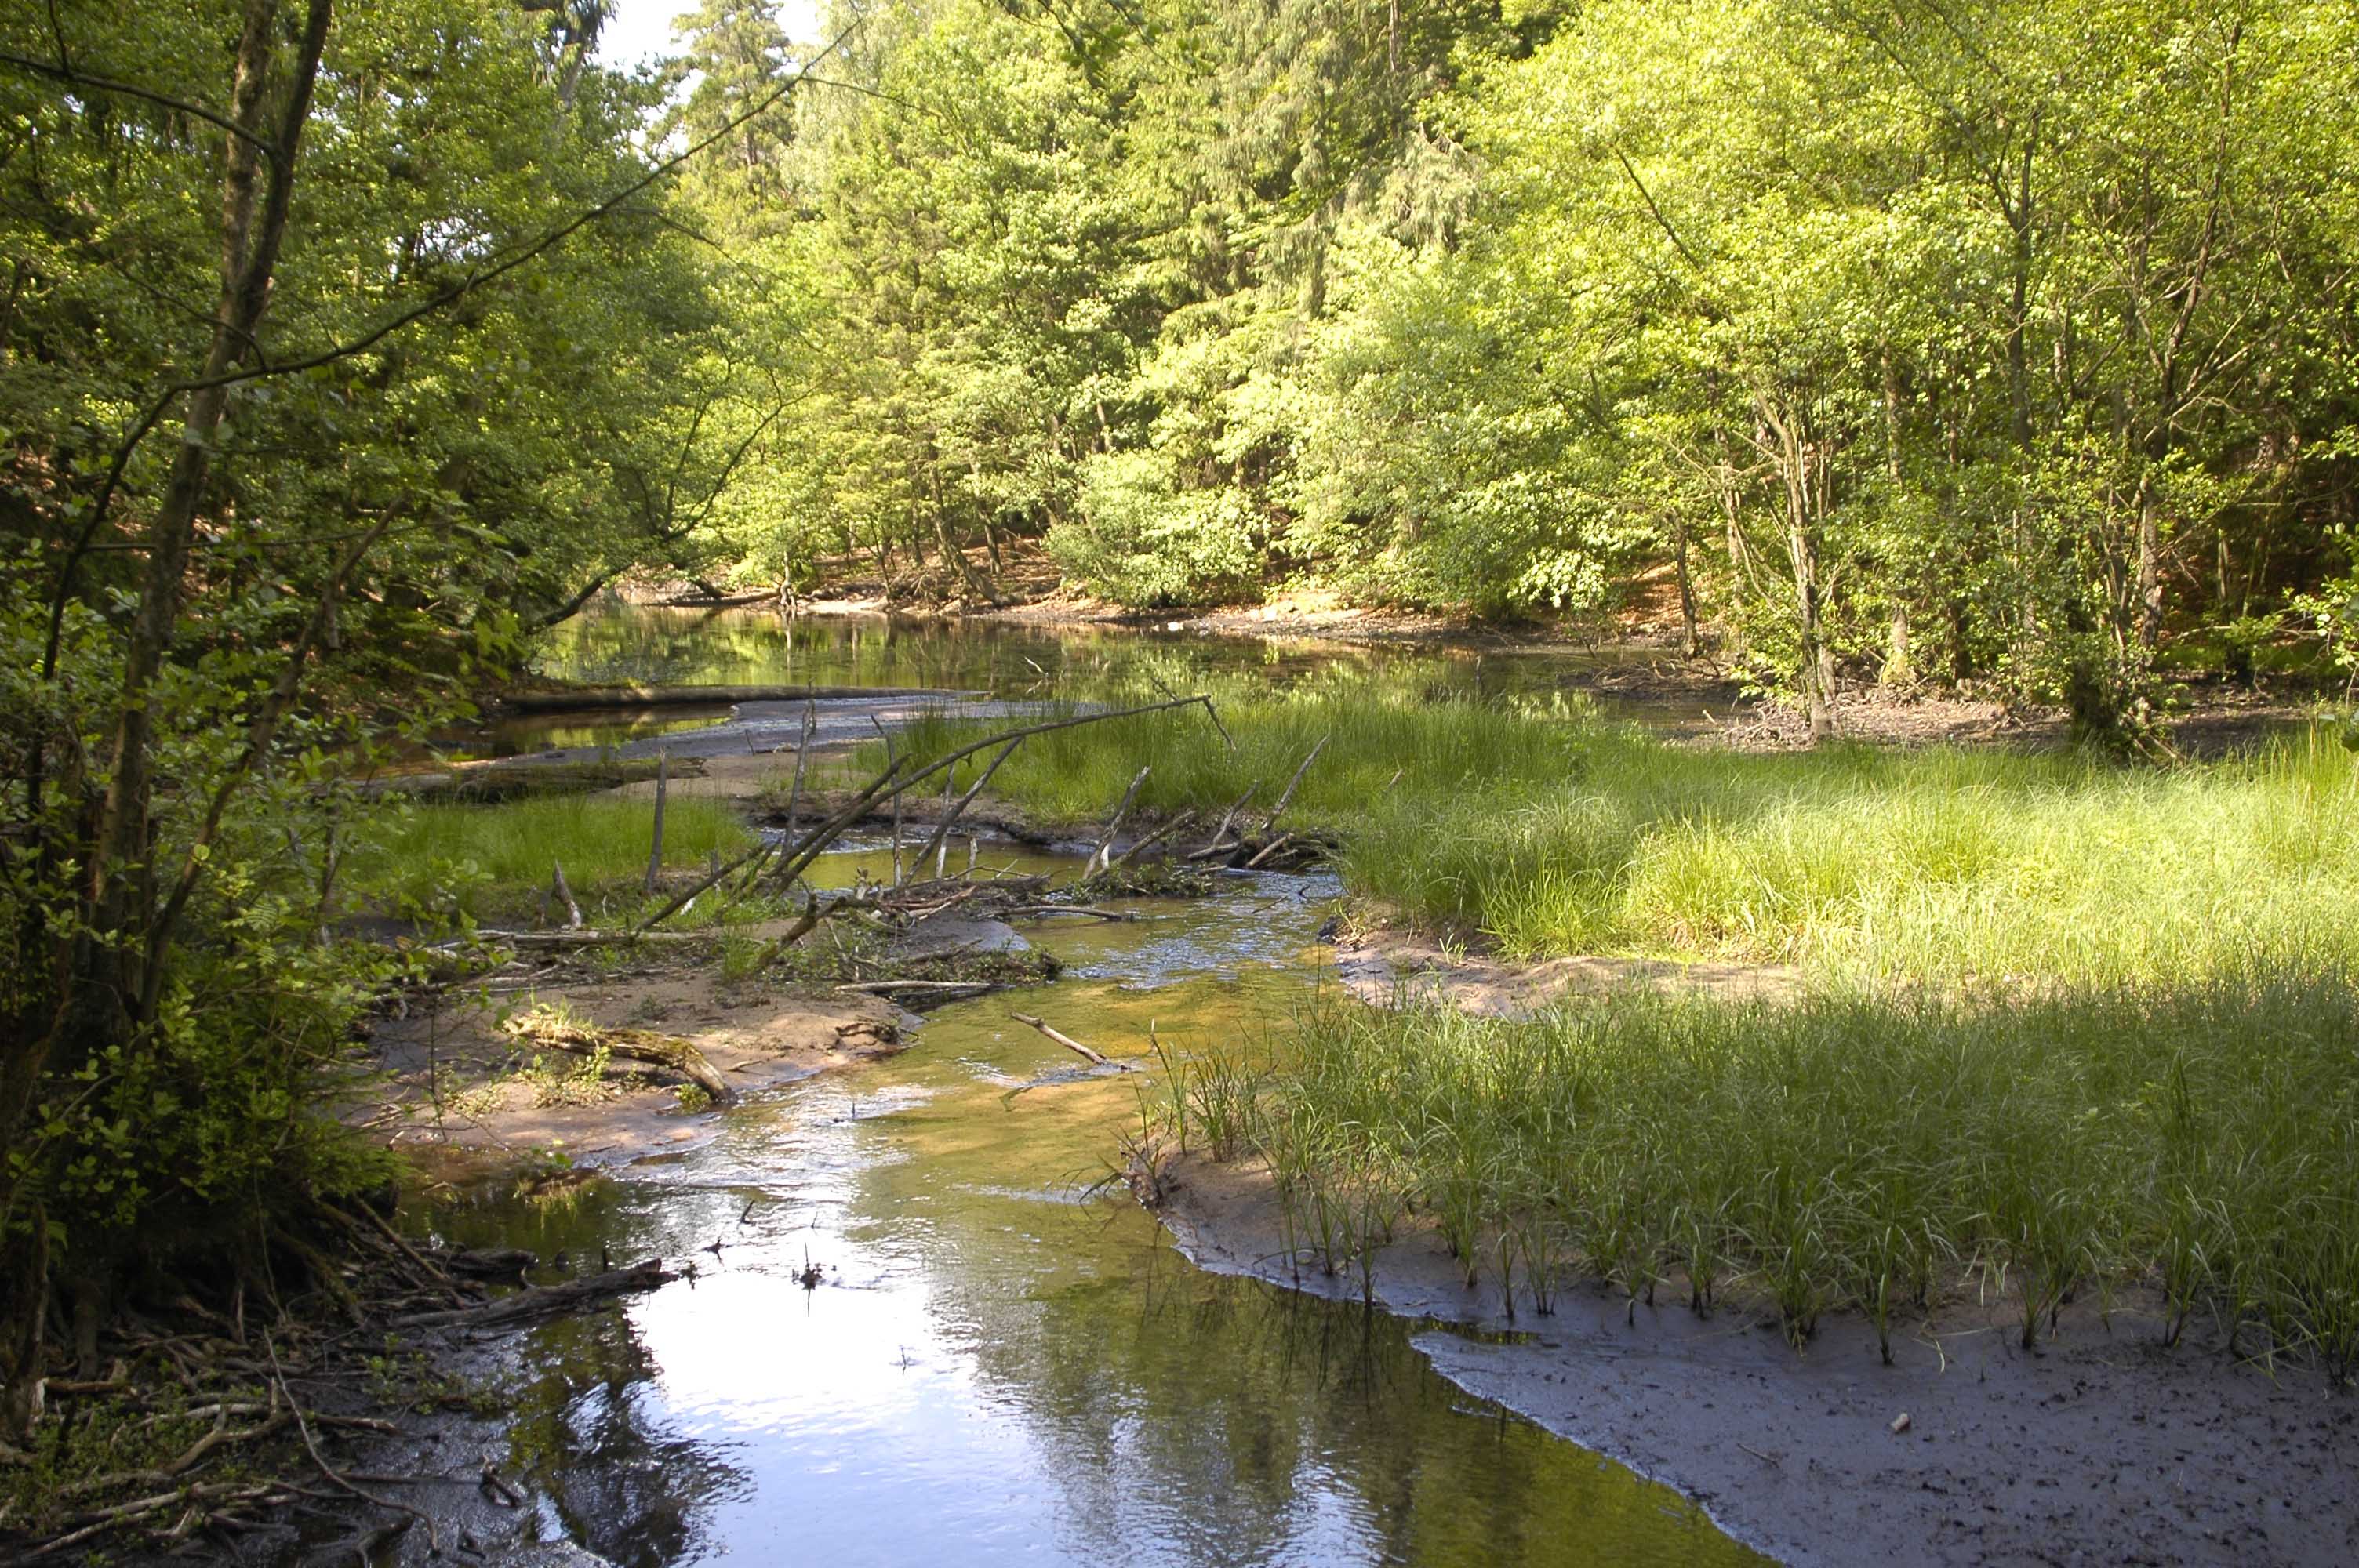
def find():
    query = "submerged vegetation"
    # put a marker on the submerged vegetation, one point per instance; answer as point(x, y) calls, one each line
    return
point(1884, 1155)
point(1549, 837)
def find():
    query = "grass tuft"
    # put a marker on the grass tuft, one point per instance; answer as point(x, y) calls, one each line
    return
point(1850, 1152)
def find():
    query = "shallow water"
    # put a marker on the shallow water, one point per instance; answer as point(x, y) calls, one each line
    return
point(1004, 1359)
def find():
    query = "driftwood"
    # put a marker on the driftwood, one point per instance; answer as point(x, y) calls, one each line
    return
point(670, 1051)
point(542, 1301)
point(550, 939)
point(491, 1262)
point(1070, 1043)
point(1041, 910)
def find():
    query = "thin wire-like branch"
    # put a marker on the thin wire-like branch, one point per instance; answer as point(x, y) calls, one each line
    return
point(73, 77)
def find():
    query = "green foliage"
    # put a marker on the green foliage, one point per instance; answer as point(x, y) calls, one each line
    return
point(240, 547)
point(1902, 364)
point(1138, 542)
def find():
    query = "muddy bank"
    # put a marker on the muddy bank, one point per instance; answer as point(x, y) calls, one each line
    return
point(1387, 966)
point(2100, 1446)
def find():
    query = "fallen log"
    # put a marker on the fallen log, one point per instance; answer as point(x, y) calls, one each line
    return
point(544, 1300)
point(918, 995)
point(670, 1051)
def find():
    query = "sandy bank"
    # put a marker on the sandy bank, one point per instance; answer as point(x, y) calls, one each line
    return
point(463, 1095)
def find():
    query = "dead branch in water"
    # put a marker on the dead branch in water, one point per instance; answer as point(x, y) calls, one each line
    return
point(1070, 1043)
point(433, 1536)
point(543, 1300)
point(1042, 911)
point(922, 991)
point(1160, 834)
point(941, 834)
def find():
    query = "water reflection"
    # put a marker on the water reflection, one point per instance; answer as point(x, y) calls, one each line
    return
point(758, 647)
point(1001, 1366)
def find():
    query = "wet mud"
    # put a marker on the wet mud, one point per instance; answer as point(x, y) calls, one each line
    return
point(2099, 1447)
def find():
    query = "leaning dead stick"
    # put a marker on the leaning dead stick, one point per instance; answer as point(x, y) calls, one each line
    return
point(1152, 840)
point(1291, 785)
point(1113, 824)
point(1219, 843)
point(940, 841)
point(1070, 1043)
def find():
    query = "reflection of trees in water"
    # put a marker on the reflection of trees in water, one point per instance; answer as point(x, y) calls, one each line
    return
point(588, 1432)
point(585, 1427)
point(1230, 1419)
point(754, 647)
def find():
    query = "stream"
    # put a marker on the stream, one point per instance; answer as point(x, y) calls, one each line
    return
point(1000, 1356)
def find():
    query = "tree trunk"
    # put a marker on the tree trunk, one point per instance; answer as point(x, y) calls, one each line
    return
point(106, 993)
point(1688, 640)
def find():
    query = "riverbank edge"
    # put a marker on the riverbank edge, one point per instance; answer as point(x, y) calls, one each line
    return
point(2098, 1445)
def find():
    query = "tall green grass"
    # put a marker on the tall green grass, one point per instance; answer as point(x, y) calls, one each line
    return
point(1553, 837)
point(1848, 1152)
point(490, 854)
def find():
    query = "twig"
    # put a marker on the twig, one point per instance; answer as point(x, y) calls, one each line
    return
point(1070, 1043)
point(1266, 850)
point(802, 752)
point(433, 1536)
point(941, 834)
point(1214, 846)
point(1152, 840)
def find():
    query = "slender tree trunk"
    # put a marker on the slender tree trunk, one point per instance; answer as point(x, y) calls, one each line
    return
point(1687, 639)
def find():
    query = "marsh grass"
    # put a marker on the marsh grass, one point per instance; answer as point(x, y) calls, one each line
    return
point(1550, 836)
point(498, 857)
point(1857, 1151)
